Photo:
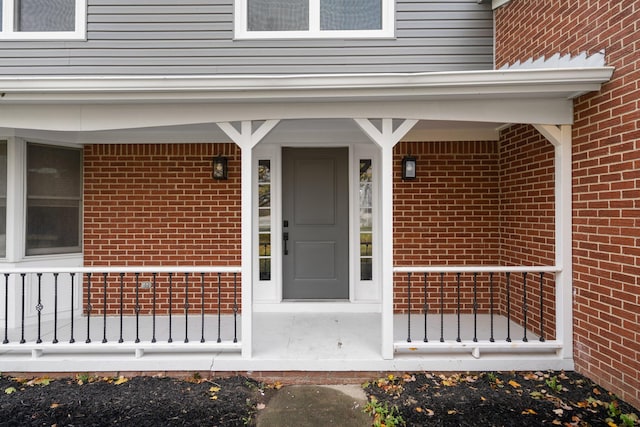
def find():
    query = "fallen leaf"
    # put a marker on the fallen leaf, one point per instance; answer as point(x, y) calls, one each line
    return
point(418, 409)
point(260, 406)
point(529, 412)
point(556, 422)
point(40, 381)
point(214, 389)
point(558, 411)
point(612, 424)
point(430, 412)
point(277, 385)
point(120, 380)
point(214, 397)
point(54, 405)
point(10, 390)
point(596, 391)
point(514, 384)
point(452, 411)
point(483, 398)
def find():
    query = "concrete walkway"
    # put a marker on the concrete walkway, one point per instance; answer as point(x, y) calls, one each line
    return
point(310, 406)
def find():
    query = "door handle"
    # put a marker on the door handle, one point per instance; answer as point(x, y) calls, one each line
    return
point(285, 238)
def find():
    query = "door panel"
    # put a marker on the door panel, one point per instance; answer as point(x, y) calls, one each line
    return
point(316, 223)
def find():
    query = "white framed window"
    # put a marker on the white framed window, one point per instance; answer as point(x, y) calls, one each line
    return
point(314, 19)
point(53, 200)
point(43, 19)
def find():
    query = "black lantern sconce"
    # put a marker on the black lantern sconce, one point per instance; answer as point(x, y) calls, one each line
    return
point(220, 168)
point(408, 168)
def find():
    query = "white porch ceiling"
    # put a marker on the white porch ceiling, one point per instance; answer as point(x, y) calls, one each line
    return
point(469, 102)
point(300, 131)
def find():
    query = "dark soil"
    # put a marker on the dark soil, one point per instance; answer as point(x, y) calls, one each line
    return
point(499, 399)
point(487, 399)
point(139, 401)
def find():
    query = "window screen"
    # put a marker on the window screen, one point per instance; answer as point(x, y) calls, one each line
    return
point(54, 192)
point(46, 15)
point(278, 15)
point(350, 14)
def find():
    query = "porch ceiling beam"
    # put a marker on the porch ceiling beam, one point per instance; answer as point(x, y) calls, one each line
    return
point(129, 116)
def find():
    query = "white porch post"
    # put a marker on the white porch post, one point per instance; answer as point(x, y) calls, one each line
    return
point(246, 139)
point(560, 137)
point(386, 138)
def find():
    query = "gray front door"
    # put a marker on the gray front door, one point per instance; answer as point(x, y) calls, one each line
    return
point(315, 213)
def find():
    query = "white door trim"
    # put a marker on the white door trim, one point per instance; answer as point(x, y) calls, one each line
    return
point(363, 296)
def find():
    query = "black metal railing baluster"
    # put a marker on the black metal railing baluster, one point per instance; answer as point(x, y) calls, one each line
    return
point(186, 307)
point(235, 307)
point(525, 307)
point(104, 308)
point(442, 307)
point(55, 308)
point(508, 307)
point(121, 339)
point(88, 340)
point(22, 340)
point(458, 291)
point(170, 305)
point(39, 307)
point(541, 307)
point(137, 307)
point(475, 307)
point(73, 276)
point(6, 309)
point(426, 308)
point(409, 307)
point(491, 339)
point(202, 309)
point(219, 308)
point(153, 309)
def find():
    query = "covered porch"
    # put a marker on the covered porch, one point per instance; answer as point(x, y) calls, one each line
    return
point(441, 314)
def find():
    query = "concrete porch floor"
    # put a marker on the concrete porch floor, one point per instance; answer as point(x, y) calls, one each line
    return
point(281, 342)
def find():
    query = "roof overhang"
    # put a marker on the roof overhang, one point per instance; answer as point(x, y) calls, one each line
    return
point(117, 102)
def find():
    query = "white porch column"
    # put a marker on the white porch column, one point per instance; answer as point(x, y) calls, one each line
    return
point(560, 137)
point(386, 138)
point(246, 139)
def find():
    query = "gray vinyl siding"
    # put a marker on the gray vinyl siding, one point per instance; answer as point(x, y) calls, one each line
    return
point(163, 37)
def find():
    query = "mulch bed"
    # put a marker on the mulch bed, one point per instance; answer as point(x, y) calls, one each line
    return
point(498, 399)
point(486, 399)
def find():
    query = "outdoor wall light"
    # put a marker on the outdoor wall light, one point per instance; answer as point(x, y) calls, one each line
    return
point(220, 168)
point(408, 168)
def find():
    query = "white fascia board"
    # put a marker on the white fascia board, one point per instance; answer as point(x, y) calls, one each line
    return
point(539, 83)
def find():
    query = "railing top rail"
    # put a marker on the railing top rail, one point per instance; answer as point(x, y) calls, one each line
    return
point(129, 270)
point(477, 269)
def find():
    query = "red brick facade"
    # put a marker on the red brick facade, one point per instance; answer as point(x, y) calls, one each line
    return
point(157, 205)
point(606, 161)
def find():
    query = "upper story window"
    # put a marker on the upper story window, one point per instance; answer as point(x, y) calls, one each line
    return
point(42, 19)
point(314, 18)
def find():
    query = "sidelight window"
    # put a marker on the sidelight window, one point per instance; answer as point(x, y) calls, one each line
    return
point(366, 219)
point(264, 219)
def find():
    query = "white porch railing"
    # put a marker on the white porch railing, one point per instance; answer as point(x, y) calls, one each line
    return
point(120, 310)
point(458, 309)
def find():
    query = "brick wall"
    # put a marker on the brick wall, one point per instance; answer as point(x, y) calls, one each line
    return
point(157, 205)
point(527, 223)
point(606, 162)
point(449, 215)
